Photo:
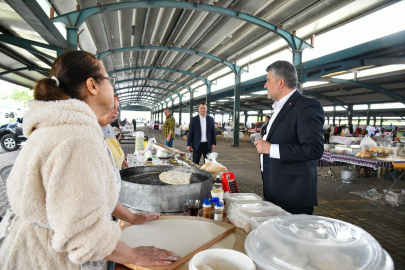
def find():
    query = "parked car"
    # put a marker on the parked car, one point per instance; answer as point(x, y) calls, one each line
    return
point(11, 135)
point(13, 113)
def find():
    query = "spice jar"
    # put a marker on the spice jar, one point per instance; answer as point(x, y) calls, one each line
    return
point(219, 211)
point(214, 200)
point(207, 209)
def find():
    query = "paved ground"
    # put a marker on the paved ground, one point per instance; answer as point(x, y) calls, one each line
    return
point(385, 223)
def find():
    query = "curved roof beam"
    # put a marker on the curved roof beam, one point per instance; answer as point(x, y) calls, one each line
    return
point(148, 86)
point(378, 89)
point(128, 103)
point(25, 68)
point(77, 18)
point(191, 90)
point(131, 100)
point(129, 107)
point(120, 94)
point(235, 69)
point(206, 81)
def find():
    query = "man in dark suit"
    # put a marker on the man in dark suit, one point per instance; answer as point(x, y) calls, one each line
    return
point(201, 136)
point(134, 123)
point(292, 144)
point(264, 126)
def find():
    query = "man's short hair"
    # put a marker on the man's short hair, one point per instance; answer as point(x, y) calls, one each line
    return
point(284, 70)
point(167, 110)
point(202, 103)
point(268, 117)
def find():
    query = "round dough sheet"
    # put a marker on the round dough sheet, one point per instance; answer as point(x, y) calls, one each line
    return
point(181, 236)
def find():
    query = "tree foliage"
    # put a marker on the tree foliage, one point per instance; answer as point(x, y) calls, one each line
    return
point(21, 95)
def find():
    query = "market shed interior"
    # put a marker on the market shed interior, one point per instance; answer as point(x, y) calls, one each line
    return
point(349, 55)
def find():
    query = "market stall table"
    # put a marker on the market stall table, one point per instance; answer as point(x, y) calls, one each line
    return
point(330, 159)
point(344, 140)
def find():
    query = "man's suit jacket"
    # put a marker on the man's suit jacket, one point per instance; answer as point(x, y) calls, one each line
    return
point(194, 133)
point(291, 181)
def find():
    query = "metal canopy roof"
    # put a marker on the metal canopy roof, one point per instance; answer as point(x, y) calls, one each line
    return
point(151, 47)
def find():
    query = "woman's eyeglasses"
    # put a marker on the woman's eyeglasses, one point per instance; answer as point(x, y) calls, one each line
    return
point(113, 80)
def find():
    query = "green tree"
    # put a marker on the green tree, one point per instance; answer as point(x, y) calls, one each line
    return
point(19, 95)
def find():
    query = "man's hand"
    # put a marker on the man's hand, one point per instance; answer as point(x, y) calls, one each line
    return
point(212, 147)
point(263, 147)
point(142, 217)
point(168, 138)
point(189, 148)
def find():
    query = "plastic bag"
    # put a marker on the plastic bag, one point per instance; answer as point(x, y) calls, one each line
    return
point(150, 143)
point(212, 165)
point(367, 142)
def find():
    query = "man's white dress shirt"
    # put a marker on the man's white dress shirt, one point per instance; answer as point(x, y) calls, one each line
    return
point(275, 148)
point(203, 123)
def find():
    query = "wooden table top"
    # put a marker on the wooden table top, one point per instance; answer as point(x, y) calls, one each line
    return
point(238, 246)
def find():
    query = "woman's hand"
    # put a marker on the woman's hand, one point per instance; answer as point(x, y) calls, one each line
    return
point(142, 217)
point(148, 256)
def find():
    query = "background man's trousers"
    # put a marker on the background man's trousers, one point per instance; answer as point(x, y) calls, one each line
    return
point(204, 149)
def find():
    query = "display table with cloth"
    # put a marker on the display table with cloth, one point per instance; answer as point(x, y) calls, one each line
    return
point(330, 159)
point(229, 134)
point(344, 140)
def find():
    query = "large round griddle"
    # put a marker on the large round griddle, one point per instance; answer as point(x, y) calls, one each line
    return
point(143, 190)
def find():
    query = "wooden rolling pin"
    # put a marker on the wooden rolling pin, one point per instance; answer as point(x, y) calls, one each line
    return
point(204, 247)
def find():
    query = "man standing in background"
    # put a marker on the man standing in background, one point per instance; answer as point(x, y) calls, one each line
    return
point(201, 137)
point(168, 128)
point(134, 123)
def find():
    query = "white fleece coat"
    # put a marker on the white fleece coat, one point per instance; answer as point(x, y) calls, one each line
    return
point(62, 178)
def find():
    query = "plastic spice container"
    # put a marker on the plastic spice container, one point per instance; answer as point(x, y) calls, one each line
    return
point(219, 211)
point(207, 208)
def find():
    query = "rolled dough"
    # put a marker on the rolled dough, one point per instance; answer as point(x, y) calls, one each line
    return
point(175, 177)
point(181, 236)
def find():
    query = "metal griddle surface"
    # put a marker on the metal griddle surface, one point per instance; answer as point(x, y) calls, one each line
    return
point(152, 178)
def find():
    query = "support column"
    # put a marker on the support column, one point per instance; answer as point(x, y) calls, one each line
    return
point(236, 108)
point(261, 115)
point(180, 111)
point(222, 119)
point(172, 109)
point(375, 121)
point(334, 114)
point(368, 115)
point(191, 105)
point(71, 38)
point(246, 116)
point(208, 100)
point(381, 122)
point(297, 62)
point(350, 114)
point(163, 117)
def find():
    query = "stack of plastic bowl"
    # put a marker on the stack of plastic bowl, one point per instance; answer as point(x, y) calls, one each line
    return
point(313, 242)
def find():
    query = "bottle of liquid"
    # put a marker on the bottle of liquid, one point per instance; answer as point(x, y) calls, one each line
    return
point(219, 211)
point(217, 189)
point(207, 208)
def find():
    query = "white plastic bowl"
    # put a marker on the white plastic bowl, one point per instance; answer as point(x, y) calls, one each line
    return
point(223, 257)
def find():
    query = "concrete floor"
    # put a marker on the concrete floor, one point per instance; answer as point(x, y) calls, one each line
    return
point(385, 223)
